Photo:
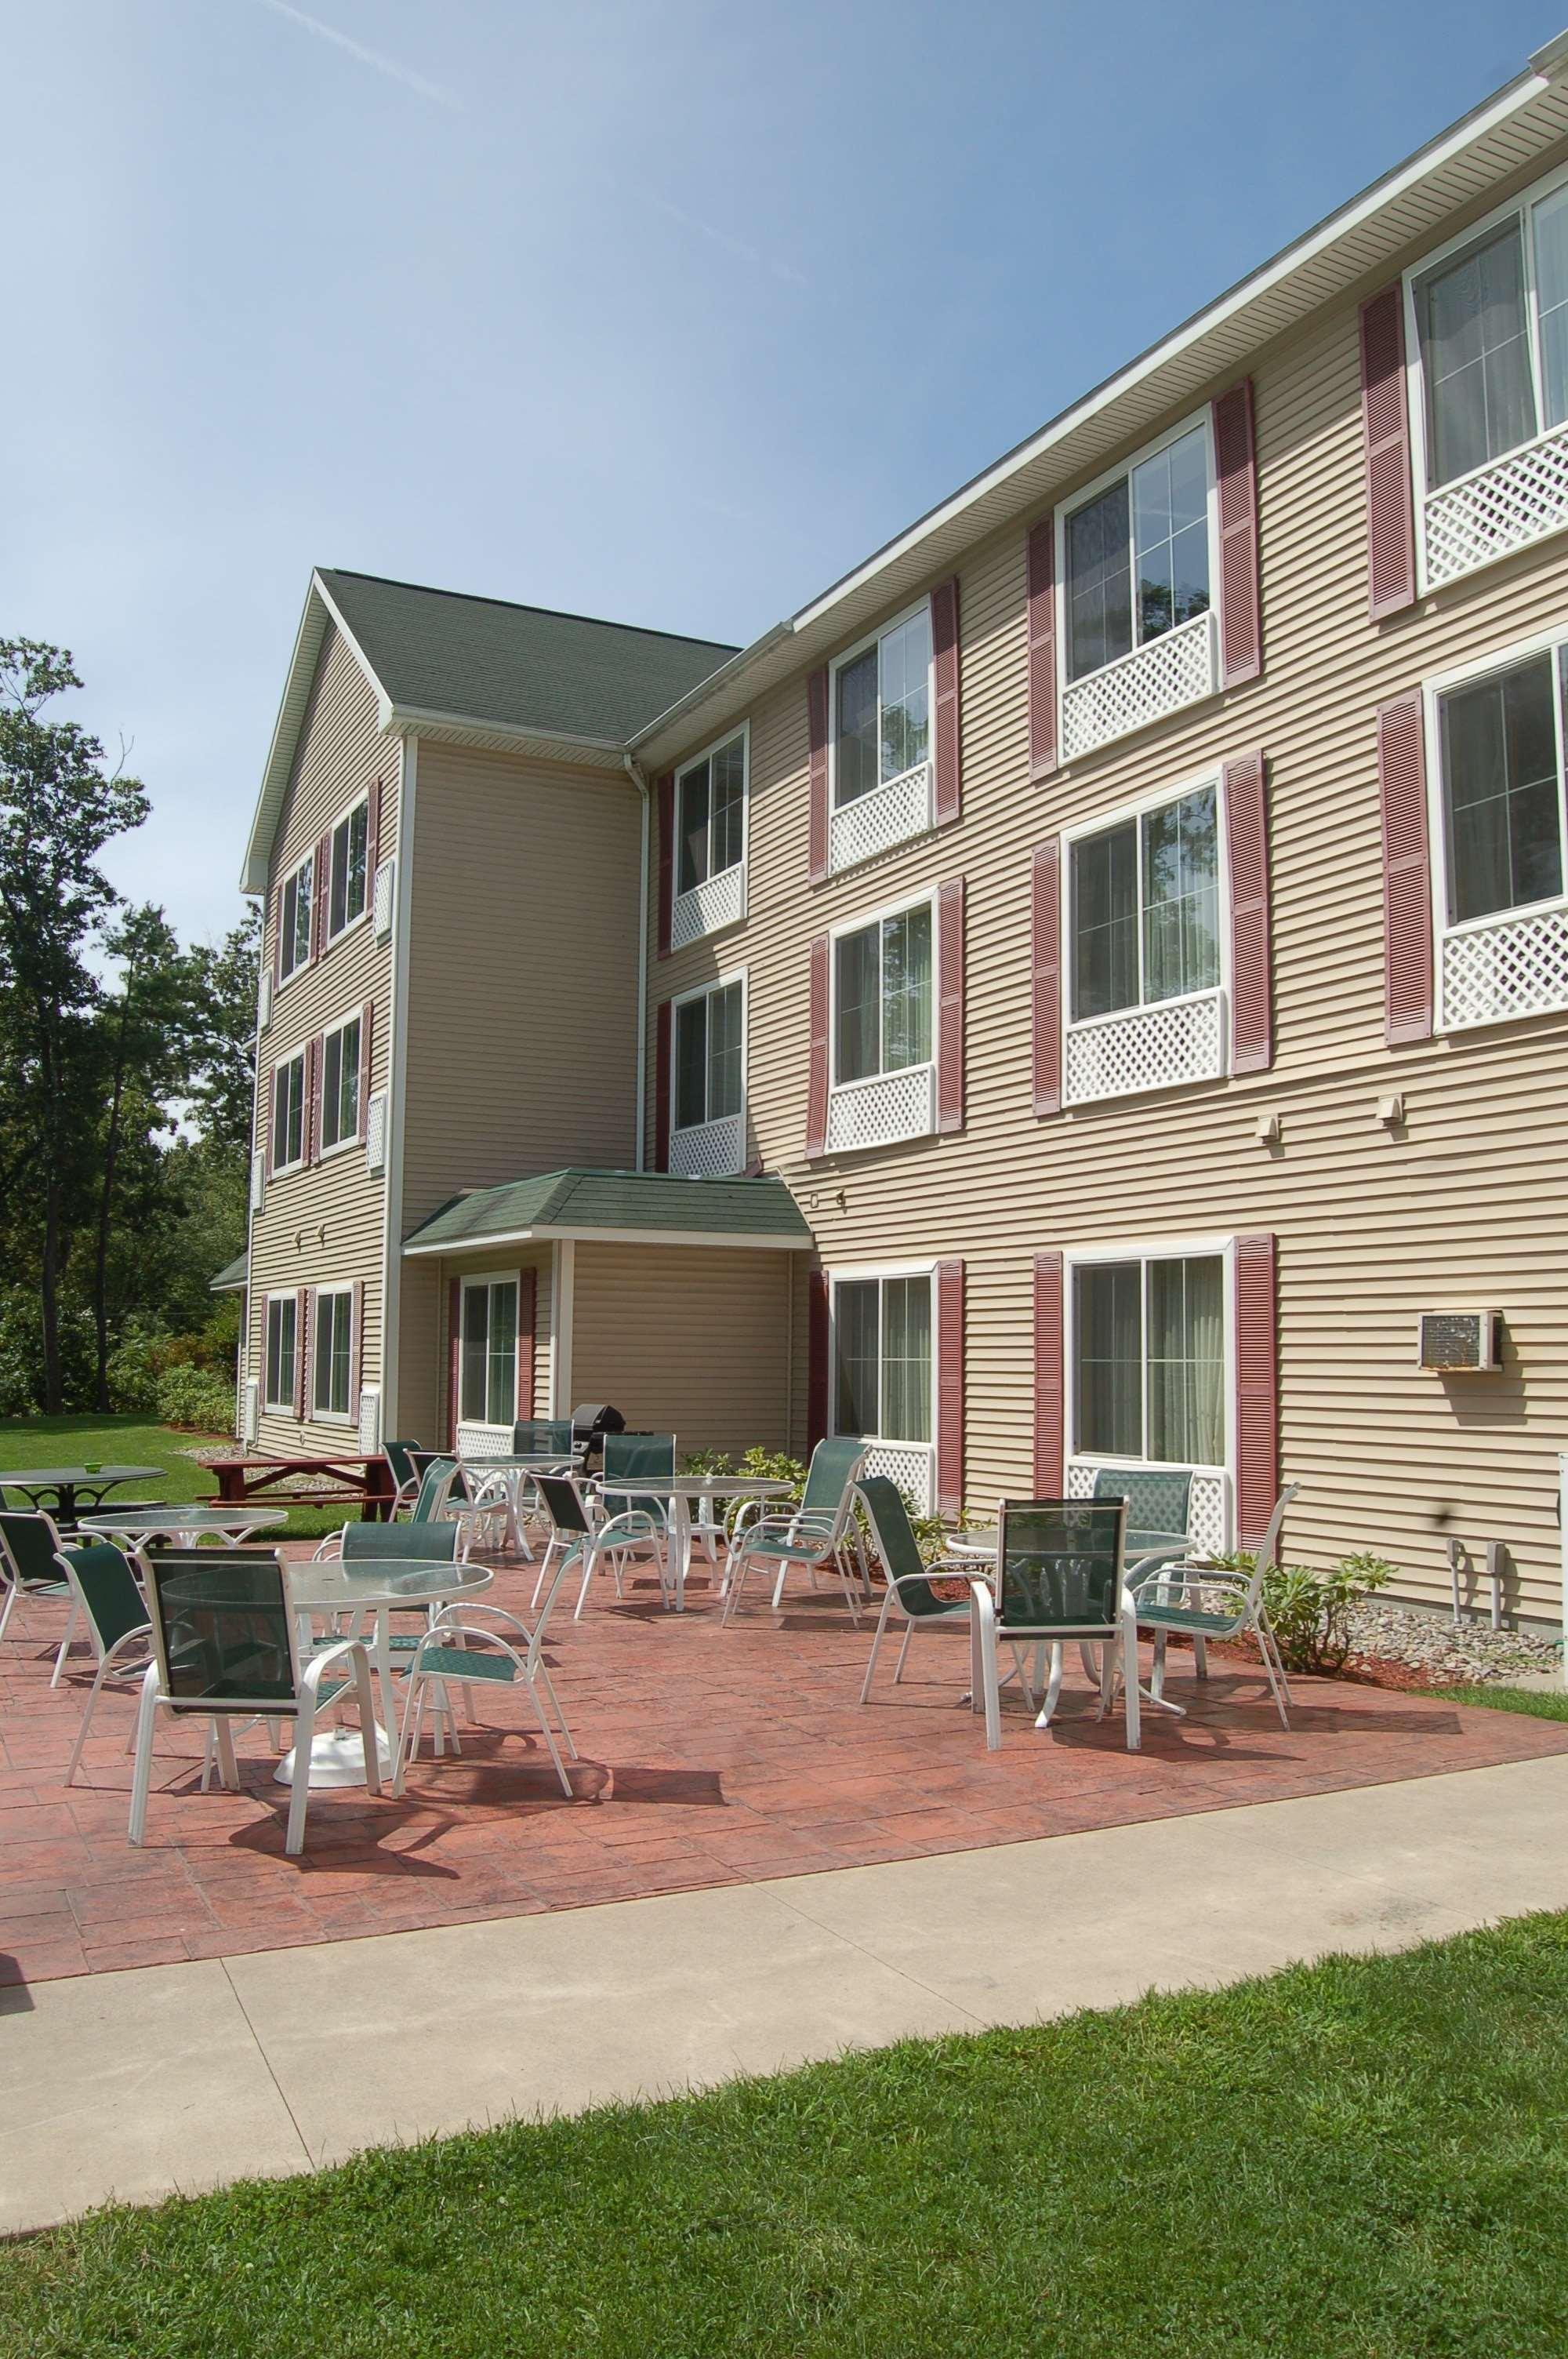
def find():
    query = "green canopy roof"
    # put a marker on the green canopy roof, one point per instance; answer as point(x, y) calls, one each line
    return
point(651, 1206)
point(232, 1279)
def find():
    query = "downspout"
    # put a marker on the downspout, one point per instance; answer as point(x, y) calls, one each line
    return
point(640, 783)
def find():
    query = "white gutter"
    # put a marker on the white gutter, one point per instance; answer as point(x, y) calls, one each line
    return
point(721, 1239)
point(397, 1087)
point(640, 783)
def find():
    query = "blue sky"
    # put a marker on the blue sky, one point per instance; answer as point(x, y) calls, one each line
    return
point(652, 308)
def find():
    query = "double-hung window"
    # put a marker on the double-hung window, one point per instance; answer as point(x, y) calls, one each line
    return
point(340, 1085)
point(711, 822)
point(288, 1112)
point(1149, 1366)
point(1489, 316)
point(883, 1383)
point(883, 992)
point(1144, 950)
point(346, 873)
point(294, 938)
point(708, 1081)
point(282, 1345)
point(487, 1376)
point(882, 700)
point(332, 1347)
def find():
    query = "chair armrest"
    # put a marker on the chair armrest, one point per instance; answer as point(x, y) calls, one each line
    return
point(310, 1676)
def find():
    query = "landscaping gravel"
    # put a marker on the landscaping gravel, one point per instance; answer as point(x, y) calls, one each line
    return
point(1469, 1653)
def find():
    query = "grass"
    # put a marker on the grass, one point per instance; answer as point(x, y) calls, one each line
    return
point(1361, 2159)
point(1539, 1703)
point(135, 1441)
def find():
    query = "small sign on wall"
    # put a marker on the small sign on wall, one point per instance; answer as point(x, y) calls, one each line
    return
point(1461, 1342)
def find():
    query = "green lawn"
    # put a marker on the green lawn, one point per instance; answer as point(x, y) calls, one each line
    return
point(1540, 1703)
point(1363, 2158)
point(134, 1441)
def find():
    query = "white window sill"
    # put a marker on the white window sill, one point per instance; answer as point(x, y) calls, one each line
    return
point(1141, 1048)
point(911, 1464)
point(705, 908)
point(893, 813)
point(282, 1171)
point(279, 1409)
point(883, 1110)
point(1209, 1517)
point(709, 1150)
point(285, 979)
point(344, 931)
point(332, 1417)
point(1492, 970)
point(1175, 670)
point(1496, 509)
point(341, 1147)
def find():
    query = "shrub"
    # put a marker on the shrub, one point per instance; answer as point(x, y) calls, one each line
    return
point(1308, 1612)
point(196, 1399)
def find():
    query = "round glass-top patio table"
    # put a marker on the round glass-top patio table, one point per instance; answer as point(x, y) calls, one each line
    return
point(64, 1483)
point(515, 1467)
point(185, 1524)
point(374, 1585)
point(681, 1494)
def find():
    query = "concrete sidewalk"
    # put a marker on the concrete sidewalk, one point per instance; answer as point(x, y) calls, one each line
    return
point(132, 2085)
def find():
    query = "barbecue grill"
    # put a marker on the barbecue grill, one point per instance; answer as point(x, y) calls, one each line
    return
point(590, 1423)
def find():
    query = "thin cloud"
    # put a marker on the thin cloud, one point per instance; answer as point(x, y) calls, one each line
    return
point(374, 58)
point(737, 246)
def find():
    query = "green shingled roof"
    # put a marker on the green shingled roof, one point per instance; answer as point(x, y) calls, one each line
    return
point(437, 651)
point(650, 1203)
point(233, 1279)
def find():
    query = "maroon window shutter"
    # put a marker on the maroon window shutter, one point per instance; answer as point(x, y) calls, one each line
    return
point(372, 838)
point(454, 1358)
point(1256, 1390)
point(356, 1342)
point(268, 1091)
point(302, 1350)
point(315, 1078)
point(950, 1007)
point(817, 726)
point(944, 659)
point(1047, 956)
point(667, 860)
point(1236, 468)
point(661, 1087)
point(1384, 420)
point(817, 1340)
point(817, 1083)
point(367, 1039)
point(1049, 1390)
point(1407, 881)
point(950, 1388)
point(277, 937)
point(319, 867)
point(1042, 570)
point(1247, 836)
point(527, 1312)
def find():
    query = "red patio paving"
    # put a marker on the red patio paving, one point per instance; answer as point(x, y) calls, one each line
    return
point(708, 1756)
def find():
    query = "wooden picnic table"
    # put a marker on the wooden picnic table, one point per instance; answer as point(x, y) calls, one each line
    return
point(366, 1477)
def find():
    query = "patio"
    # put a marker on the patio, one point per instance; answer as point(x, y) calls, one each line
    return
point(709, 1758)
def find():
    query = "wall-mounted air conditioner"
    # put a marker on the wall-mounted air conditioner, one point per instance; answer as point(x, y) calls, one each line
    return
point(1463, 1342)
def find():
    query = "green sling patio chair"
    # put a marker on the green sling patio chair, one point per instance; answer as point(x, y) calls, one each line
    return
point(818, 1535)
point(1198, 1603)
point(924, 1594)
point(30, 1568)
point(1159, 1499)
point(1058, 1577)
point(407, 1460)
point(566, 1507)
point(637, 1525)
point(115, 1613)
point(226, 1648)
point(535, 1436)
point(447, 1494)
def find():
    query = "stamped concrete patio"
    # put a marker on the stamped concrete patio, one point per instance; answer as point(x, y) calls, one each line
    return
point(709, 1757)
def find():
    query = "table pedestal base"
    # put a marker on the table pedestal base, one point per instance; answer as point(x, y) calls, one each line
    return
point(338, 1759)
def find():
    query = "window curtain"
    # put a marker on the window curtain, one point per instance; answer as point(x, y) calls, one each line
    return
point(907, 1359)
point(1475, 351)
point(906, 991)
point(1186, 1362)
point(1109, 1352)
point(1181, 898)
point(724, 1052)
point(501, 1404)
point(855, 1323)
point(858, 1049)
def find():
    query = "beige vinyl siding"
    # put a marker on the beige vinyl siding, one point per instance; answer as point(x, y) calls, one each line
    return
point(435, 1400)
point(324, 1225)
point(1462, 1208)
point(523, 973)
point(693, 1341)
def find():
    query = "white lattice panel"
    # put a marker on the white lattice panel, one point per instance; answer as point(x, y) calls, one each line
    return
point(370, 1418)
point(1151, 1048)
point(709, 1150)
point(890, 814)
point(263, 1000)
point(1517, 967)
point(252, 1412)
point(719, 902)
point(484, 1441)
point(1171, 671)
point(376, 1131)
point(381, 898)
point(258, 1182)
point(875, 1113)
point(1500, 508)
point(911, 1465)
point(1208, 1518)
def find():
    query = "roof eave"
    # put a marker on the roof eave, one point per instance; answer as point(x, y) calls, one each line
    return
point(543, 1232)
point(505, 736)
point(320, 608)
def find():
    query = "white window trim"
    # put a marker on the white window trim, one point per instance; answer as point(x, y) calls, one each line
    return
point(342, 1287)
point(294, 1056)
point(852, 655)
point(859, 1274)
point(354, 1137)
point(1443, 929)
point(744, 863)
point(860, 924)
point(286, 974)
point(279, 1408)
point(347, 812)
point(1204, 420)
point(684, 999)
point(1076, 1258)
point(486, 1278)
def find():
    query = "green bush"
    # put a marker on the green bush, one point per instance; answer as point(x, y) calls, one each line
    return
point(196, 1399)
point(1308, 1611)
